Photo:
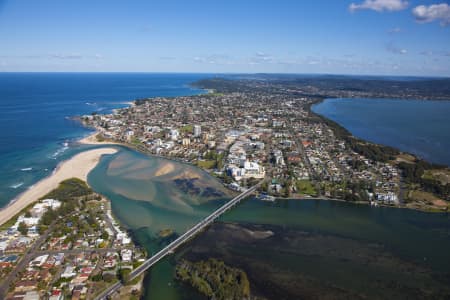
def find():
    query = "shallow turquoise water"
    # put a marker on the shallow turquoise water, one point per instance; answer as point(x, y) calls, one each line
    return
point(422, 238)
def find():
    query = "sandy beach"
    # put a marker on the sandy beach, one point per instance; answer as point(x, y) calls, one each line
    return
point(78, 166)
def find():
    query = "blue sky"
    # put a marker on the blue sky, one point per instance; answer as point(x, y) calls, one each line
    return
point(384, 37)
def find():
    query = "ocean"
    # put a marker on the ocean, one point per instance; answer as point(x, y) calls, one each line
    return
point(418, 127)
point(35, 110)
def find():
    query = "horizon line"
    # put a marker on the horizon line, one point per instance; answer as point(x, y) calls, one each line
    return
point(225, 73)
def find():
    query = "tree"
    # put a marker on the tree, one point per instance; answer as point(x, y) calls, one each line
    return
point(123, 274)
point(23, 229)
point(105, 235)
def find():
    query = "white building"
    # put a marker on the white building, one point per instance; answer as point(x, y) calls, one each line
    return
point(40, 208)
point(68, 272)
point(126, 255)
point(174, 134)
point(246, 170)
point(253, 170)
point(197, 130)
point(31, 221)
point(40, 260)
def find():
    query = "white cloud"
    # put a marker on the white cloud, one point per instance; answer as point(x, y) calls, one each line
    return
point(434, 12)
point(199, 59)
point(380, 5)
point(261, 58)
point(395, 30)
point(218, 59)
point(66, 56)
point(393, 49)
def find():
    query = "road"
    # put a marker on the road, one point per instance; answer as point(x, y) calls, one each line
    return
point(180, 240)
point(26, 258)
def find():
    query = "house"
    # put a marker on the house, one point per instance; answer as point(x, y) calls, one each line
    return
point(56, 295)
point(68, 272)
point(25, 285)
point(39, 261)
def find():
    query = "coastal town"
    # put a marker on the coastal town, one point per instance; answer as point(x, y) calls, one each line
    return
point(242, 137)
point(66, 245)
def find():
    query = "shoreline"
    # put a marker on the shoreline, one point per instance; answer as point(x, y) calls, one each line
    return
point(78, 166)
point(350, 134)
point(92, 140)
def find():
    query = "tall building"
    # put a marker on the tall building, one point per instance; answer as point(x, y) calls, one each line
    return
point(197, 130)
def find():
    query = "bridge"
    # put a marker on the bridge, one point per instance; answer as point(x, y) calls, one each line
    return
point(180, 240)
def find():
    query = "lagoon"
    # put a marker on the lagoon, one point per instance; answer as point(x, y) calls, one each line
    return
point(418, 127)
point(147, 196)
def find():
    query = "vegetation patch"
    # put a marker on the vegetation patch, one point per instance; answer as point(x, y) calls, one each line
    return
point(69, 189)
point(206, 164)
point(214, 279)
point(305, 187)
point(441, 175)
point(426, 201)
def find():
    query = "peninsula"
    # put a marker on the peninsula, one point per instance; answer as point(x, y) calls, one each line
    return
point(247, 130)
point(78, 166)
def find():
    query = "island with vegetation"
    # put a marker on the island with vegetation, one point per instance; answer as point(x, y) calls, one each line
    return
point(288, 262)
point(214, 279)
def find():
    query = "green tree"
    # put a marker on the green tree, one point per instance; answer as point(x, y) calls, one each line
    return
point(105, 235)
point(23, 229)
point(123, 274)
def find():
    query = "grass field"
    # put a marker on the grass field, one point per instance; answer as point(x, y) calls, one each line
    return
point(206, 164)
point(305, 187)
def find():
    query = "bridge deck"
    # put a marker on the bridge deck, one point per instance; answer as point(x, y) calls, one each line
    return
point(180, 240)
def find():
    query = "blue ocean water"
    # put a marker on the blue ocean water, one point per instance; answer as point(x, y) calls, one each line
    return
point(418, 127)
point(36, 131)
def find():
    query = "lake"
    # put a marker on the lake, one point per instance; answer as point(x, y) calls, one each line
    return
point(419, 127)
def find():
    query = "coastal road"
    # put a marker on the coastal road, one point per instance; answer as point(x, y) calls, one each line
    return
point(180, 240)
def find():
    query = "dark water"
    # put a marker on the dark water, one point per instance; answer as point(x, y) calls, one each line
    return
point(34, 111)
point(147, 204)
point(418, 127)
point(146, 199)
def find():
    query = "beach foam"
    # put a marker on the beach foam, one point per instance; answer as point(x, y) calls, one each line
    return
point(17, 185)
